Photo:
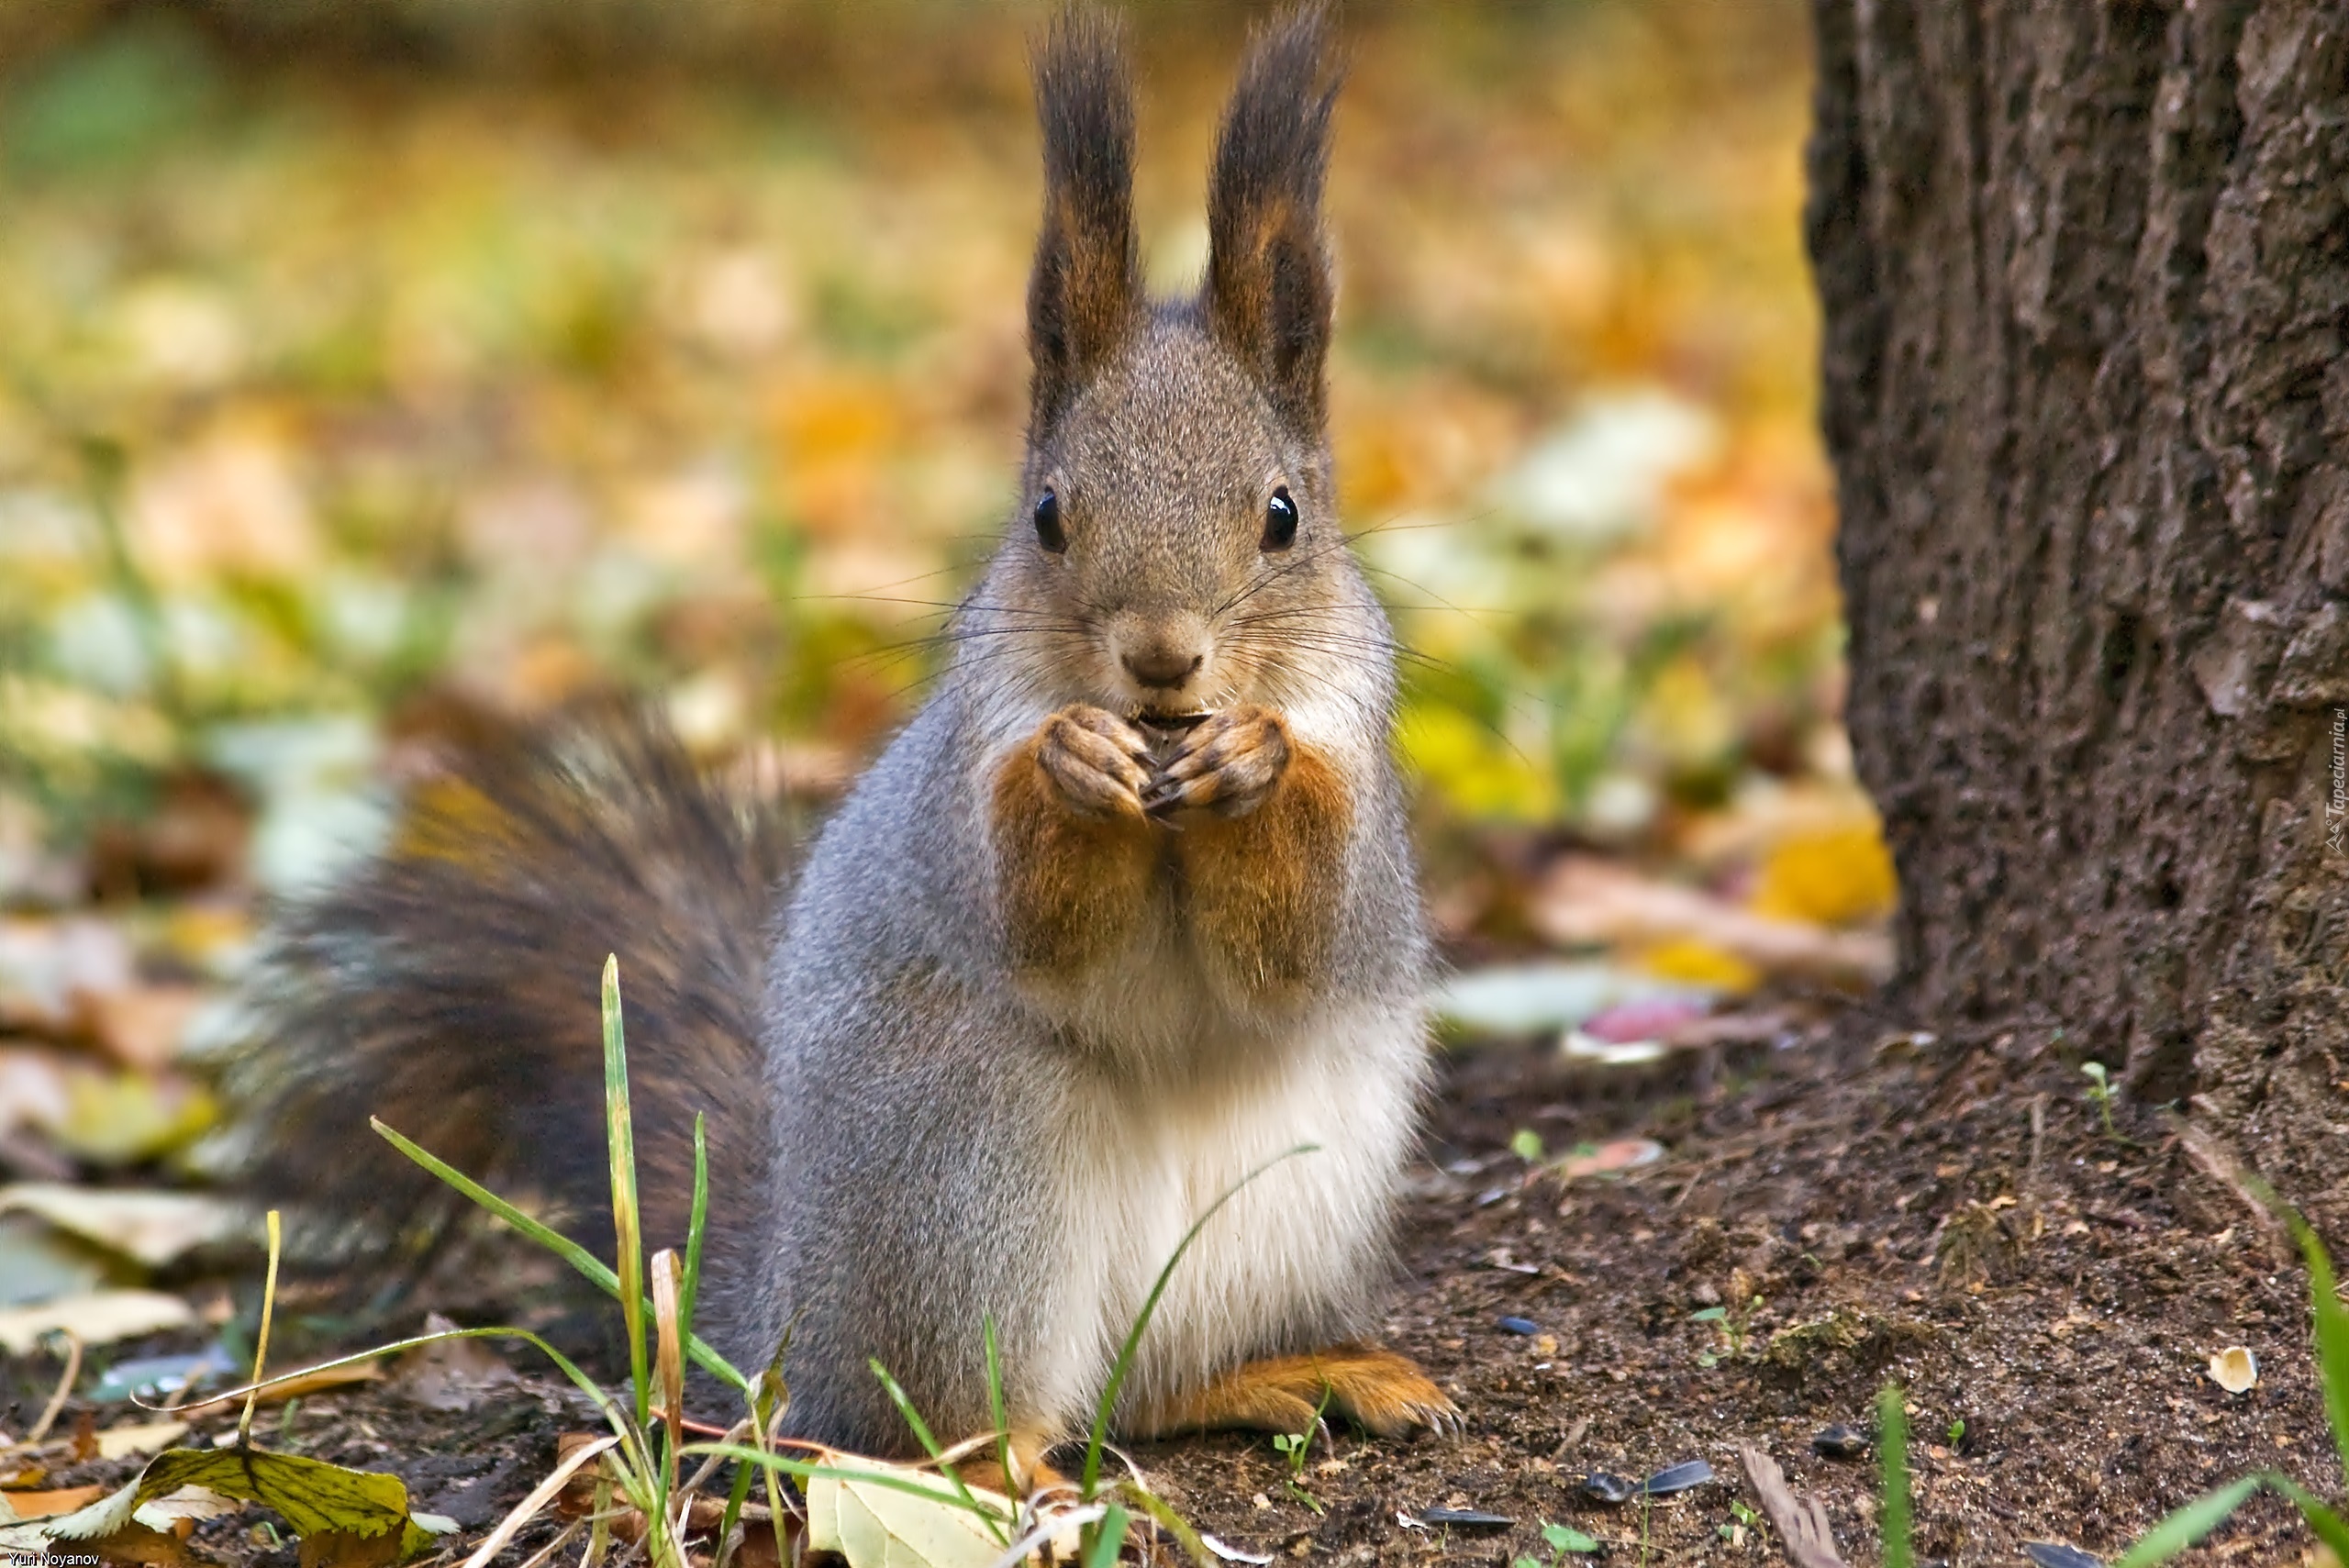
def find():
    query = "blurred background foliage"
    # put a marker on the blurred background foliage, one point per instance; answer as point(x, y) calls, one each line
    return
point(365, 363)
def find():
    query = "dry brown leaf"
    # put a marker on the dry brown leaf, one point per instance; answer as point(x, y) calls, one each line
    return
point(317, 1382)
point(142, 1027)
point(449, 1375)
point(137, 1543)
point(26, 1506)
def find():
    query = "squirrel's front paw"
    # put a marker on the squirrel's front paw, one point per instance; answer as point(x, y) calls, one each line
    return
point(1227, 763)
point(1097, 761)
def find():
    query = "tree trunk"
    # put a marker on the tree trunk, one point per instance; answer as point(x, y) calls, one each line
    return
point(2086, 274)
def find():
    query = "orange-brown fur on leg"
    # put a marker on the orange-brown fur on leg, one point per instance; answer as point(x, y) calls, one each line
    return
point(1029, 1474)
point(1262, 886)
point(1072, 844)
point(1383, 1393)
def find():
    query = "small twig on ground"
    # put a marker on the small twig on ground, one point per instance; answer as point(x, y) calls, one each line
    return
point(64, 1390)
point(2216, 1160)
point(1801, 1525)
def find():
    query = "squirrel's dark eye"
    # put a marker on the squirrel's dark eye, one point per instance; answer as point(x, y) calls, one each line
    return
point(1049, 532)
point(1280, 522)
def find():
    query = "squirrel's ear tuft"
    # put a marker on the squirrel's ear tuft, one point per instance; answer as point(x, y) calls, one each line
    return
point(1268, 287)
point(1086, 293)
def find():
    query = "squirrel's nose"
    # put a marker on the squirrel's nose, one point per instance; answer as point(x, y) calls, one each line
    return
point(1161, 664)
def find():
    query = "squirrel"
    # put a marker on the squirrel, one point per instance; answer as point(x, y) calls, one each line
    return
point(1125, 912)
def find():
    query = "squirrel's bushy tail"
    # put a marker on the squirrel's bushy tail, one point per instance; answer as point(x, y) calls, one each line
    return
point(449, 986)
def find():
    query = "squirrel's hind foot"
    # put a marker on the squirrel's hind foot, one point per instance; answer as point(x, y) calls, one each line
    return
point(1030, 1472)
point(1384, 1394)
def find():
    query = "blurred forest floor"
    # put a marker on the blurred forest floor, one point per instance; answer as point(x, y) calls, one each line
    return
point(361, 377)
point(366, 374)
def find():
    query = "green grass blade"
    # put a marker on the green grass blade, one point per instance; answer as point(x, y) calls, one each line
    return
point(2329, 1527)
point(689, 1288)
point(627, 1222)
point(1125, 1361)
point(738, 1494)
point(590, 1266)
point(930, 1445)
point(2332, 1338)
point(1170, 1521)
point(1892, 1446)
point(1110, 1541)
point(998, 1411)
point(2188, 1525)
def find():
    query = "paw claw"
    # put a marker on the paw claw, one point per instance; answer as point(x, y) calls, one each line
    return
point(1095, 760)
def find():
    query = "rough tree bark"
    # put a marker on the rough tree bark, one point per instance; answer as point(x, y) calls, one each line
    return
point(2085, 266)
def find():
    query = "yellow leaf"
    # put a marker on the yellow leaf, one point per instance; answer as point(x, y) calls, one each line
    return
point(1477, 770)
point(1831, 876)
point(1685, 716)
point(120, 1119)
point(1694, 962)
point(313, 1496)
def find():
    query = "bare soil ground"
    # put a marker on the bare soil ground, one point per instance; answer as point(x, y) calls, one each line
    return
point(1953, 1218)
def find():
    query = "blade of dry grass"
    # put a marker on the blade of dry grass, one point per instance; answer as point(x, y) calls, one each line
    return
point(620, 1122)
point(64, 1390)
point(541, 1496)
point(261, 1341)
point(670, 1362)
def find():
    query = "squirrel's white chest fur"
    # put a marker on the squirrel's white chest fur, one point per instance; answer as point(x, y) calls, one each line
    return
point(1298, 1248)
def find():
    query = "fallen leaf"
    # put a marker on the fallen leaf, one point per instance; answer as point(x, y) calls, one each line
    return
point(117, 1119)
point(47, 966)
point(301, 1383)
point(37, 1263)
point(1619, 1154)
point(1584, 901)
point(1654, 1017)
point(1833, 877)
point(137, 1543)
point(98, 1317)
point(22, 1507)
point(878, 1524)
point(449, 1375)
point(1691, 961)
point(313, 1498)
point(1536, 998)
point(2236, 1369)
point(153, 1227)
point(1576, 1046)
point(142, 1027)
point(146, 1437)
